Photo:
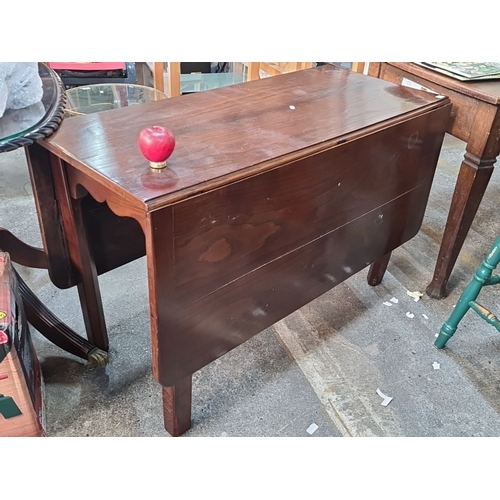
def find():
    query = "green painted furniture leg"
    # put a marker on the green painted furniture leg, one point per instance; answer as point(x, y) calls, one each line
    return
point(8, 407)
point(468, 298)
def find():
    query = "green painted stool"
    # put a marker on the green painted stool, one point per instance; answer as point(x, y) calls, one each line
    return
point(483, 277)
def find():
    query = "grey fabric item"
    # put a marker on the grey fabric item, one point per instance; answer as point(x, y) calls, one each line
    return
point(20, 85)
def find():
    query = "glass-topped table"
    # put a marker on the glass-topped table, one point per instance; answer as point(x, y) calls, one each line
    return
point(23, 128)
point(102, 97)
point(199, 82)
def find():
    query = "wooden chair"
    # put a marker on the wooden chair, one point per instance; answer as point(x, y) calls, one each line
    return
point(173, 75)
point(483, 277)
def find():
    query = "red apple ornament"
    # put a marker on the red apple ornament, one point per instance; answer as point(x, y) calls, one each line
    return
point(156, 144)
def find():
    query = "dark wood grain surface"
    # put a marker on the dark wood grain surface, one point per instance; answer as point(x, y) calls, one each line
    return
point(243, 226)
point(233, 261)
point(231, 132)
point(262, 209)
point(191, 335)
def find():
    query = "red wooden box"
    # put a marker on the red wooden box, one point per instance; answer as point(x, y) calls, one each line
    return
point(21, 381)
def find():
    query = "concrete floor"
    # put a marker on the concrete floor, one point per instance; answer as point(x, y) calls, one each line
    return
point(321, 365)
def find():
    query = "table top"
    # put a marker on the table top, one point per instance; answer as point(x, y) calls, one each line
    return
point(22, 127)
point(102, 97)
point(487, 91)
point(230, 133)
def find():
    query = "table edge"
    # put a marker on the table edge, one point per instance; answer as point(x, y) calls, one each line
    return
point(161, 201)
point(466, 88)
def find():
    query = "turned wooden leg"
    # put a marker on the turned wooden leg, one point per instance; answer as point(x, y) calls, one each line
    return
point(377, 270)
point(471, 184)
point(482, 277)
point(177, 407)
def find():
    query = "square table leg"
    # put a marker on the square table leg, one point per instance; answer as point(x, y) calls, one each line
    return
point(377, 270)
point(482, 150)
point(177, 407)
point(81, 257)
